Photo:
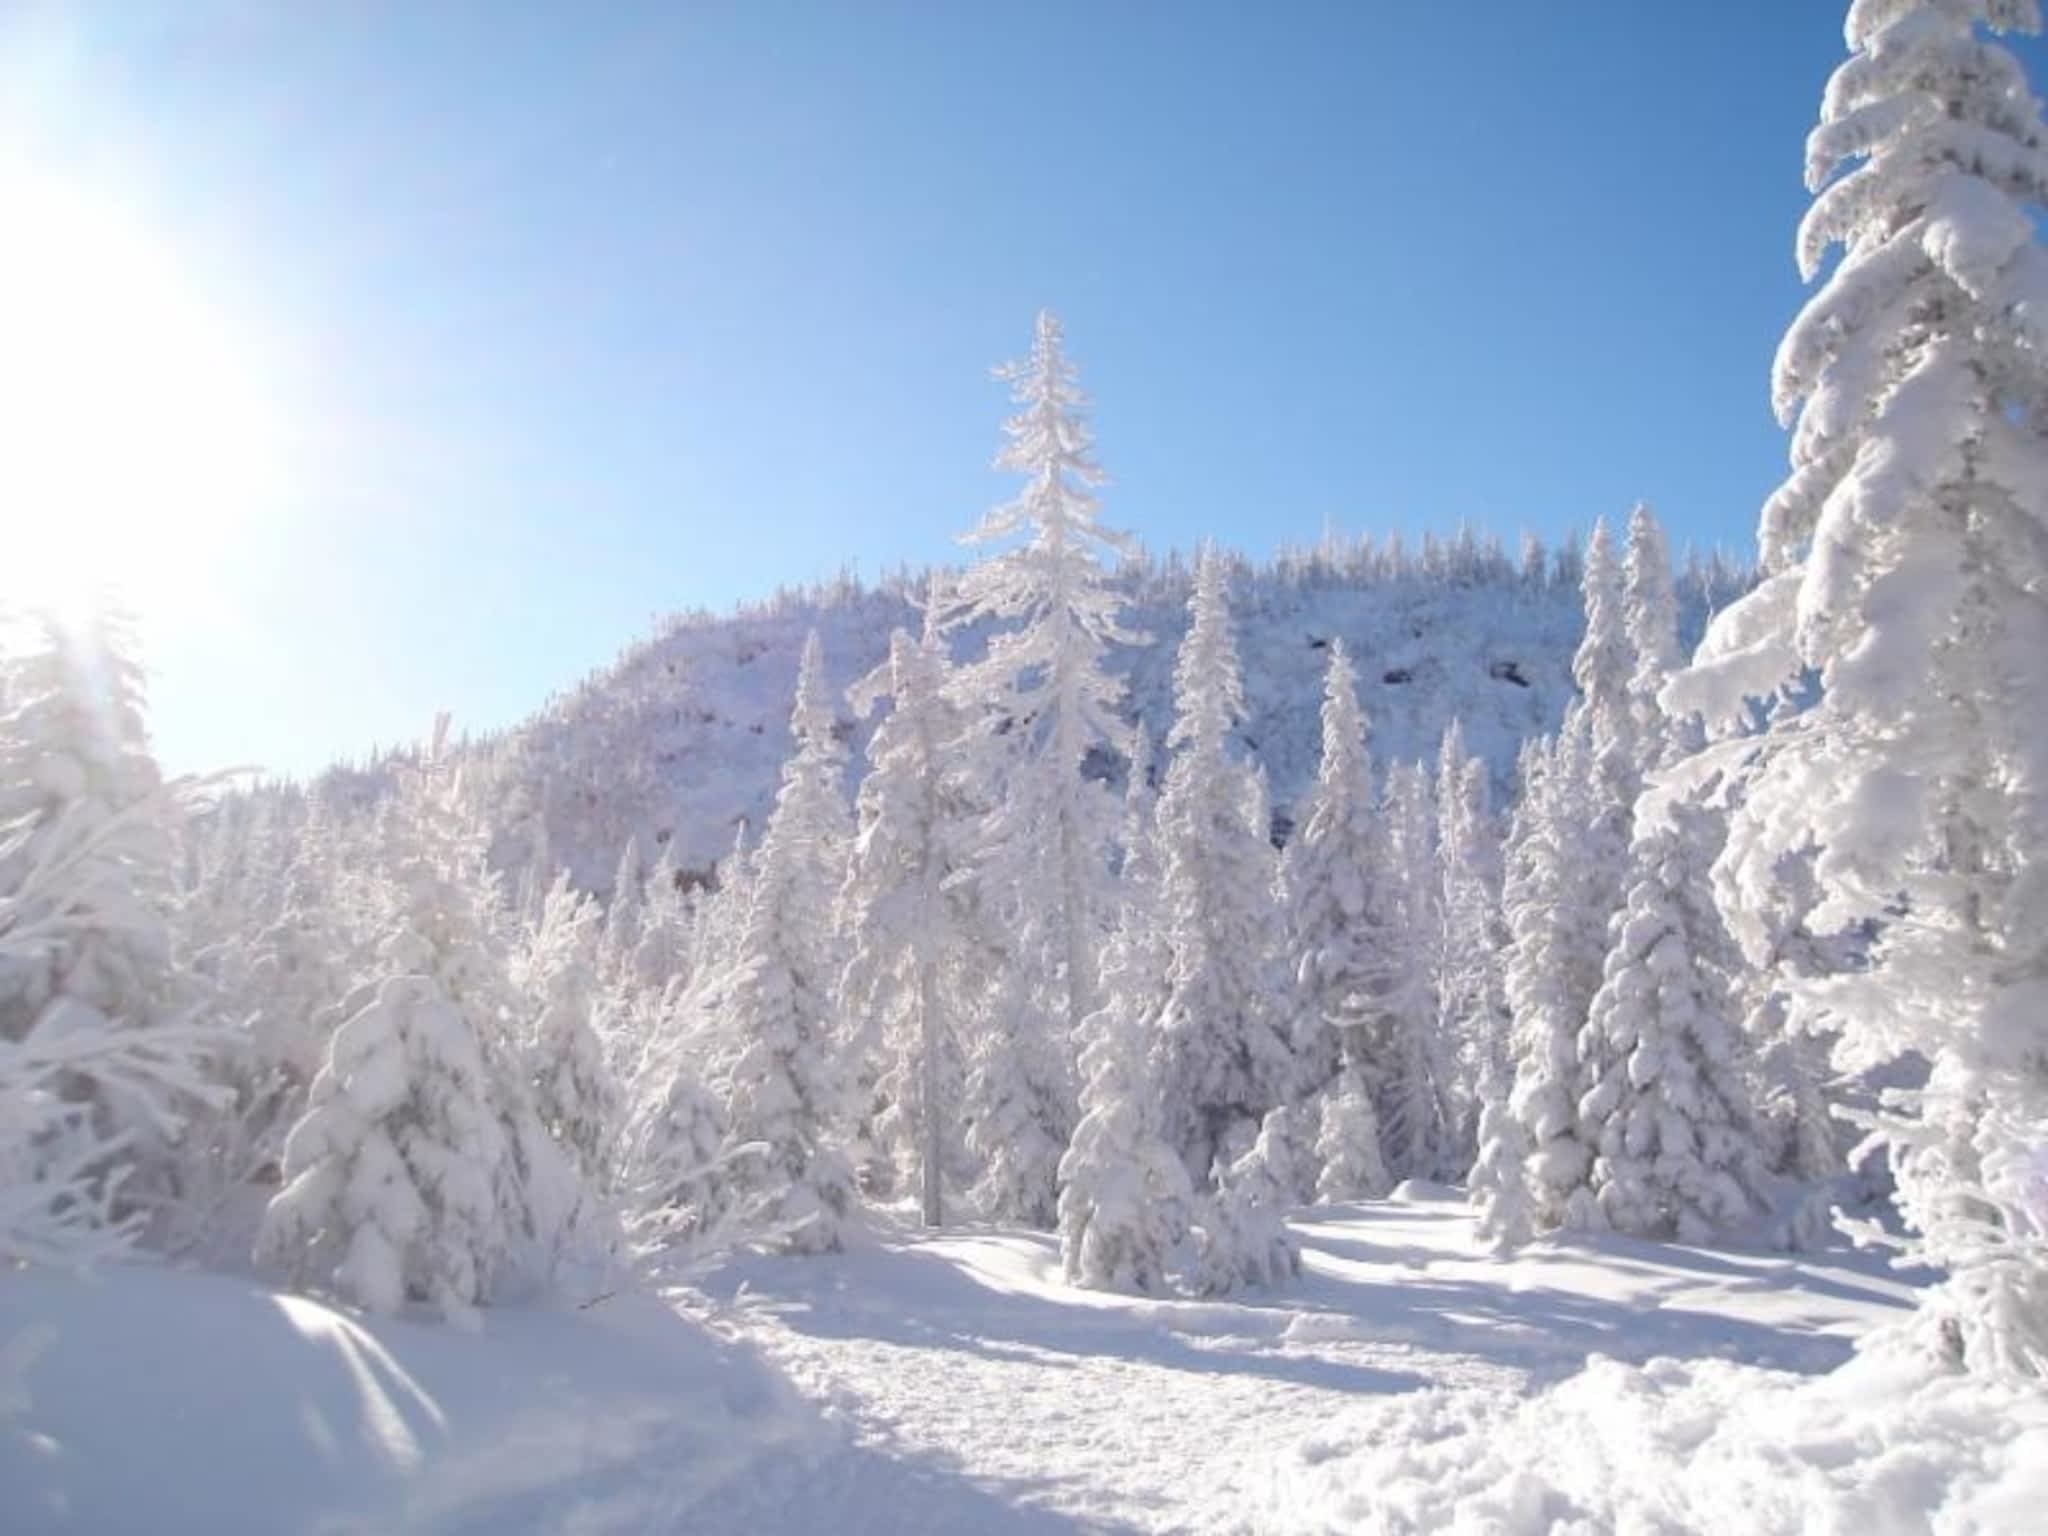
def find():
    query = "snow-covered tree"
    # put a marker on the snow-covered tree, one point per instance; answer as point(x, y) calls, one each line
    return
point(272, 942)
point(391, 1175)
point(723, 915)
point(61, 1165)
point(1903, 566)
point(1343, 920)
point(1348, 1142)
point(421, 1169)
point(622, 907)
point(1552, 958)
point(1472, 1012)
point(1226, 1058)
point(1125, 1199)
point(575, 1093)
point(1565, 877)
point(1603, 668)
point(661, 950)
point(1019, 1098)
point(1650, 620)
point(813, 805)
point(1409, 1056)
point(1670, 1117)
point(677, 1165)
point(1242, 1237)
point(1504, 1207)
point(76, 770)
point(901, 905)
point(1047, 703)
point(788, 1092)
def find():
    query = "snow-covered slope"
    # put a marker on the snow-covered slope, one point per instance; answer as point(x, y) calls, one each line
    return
point(170, 1402)
point(681, 741)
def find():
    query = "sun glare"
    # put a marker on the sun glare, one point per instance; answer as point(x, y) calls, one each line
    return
point(136, 440)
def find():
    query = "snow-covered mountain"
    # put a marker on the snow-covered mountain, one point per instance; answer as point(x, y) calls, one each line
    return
point(679, 743)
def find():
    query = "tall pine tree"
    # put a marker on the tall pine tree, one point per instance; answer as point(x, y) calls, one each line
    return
point(1903, 565)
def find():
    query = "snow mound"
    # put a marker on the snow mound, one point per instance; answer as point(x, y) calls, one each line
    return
point(165, 1402)
point(1878, 1446)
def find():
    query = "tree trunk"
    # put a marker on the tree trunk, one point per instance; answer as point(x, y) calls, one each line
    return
point(928, 1030)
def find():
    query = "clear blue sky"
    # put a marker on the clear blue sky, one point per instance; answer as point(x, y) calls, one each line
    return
point(583, 313)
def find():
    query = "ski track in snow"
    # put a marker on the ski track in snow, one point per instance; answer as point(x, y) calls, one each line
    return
point(1117, 1413)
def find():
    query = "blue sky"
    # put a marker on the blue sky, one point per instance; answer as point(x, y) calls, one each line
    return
point(578, 314)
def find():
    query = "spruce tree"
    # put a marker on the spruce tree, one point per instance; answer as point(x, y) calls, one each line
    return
point(788, 1099)
point(1902, 564)
point(1343, 917)
point(902, 904)
point(1670, 1117)
point(1049, 704)
point(1472, 1012)
point(1227, 1060)
point(1125, 1198)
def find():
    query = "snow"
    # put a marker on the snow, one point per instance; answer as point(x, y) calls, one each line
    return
point(1124, 1413)
point(1680, 1446)
point(626, 1417)
point(326, 1421)
point(1405, 1382)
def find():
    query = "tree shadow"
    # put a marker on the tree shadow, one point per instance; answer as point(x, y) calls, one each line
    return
point(929, 1299)
point(934, 1302)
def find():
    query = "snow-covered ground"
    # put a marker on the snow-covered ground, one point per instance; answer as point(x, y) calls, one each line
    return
point(1406, 1382)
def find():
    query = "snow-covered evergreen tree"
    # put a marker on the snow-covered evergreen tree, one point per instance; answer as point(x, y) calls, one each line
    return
point(622, 907)
point(421, 1169)
point(1409, 1053)
point(1019, 1096)
point(813, 805)
point(1125, 1199)
point(1242, 1237)
point(62, 1165)
point(677, 1165)
point(1504, 1207)
point(76, 771)
point(1551, 957)
point(1903, 566)
point(1343, 918)
point(1226, 1058)
point(788, 1092)
point(1604, 714)
point(267, 930)
point(1670, 1117)
point(902, 905)
point(1348, 1142)
point(392, 1173)
point(1472, 1012)
point(723, 915)
point(1650, 620)
point(575, 1093)
point(1048, 705)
